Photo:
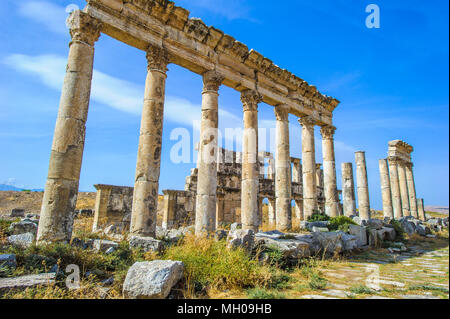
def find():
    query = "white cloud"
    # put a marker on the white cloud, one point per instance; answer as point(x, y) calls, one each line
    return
point(50, 15)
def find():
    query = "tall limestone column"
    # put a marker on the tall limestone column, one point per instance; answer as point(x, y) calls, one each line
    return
point(411, 189)
point(271, 214)
point(421, 210)
point(205, 217)
point(283, 180)
point(329, 169)
point(309, 166)
point(145, 195)
point(297, 171)
point(362, 186)
point(403, 189)
point(61, 188)
point(250, 165)
point(395, 187)
point(386, 189)
point(348, 190)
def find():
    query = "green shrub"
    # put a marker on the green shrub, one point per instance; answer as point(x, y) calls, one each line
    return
point(361, 290)
point(341, 223)
point(398, 229)
point(261, 293)
point(317, 282)
point(318, 217)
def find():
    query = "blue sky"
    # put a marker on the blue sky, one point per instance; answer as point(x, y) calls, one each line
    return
point(392, 83)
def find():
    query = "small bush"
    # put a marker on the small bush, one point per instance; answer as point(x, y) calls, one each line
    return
point(317, 282)
point(341, 223)
point(261, 293)
point(318, 217)
point(429, 288)
point(361, 290)
point(398, 229)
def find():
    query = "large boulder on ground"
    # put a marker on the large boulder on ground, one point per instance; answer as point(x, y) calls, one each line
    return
point(387, 234)
point(241, 238)
point(408, 226)
point(292, 249)
point(146, 244)
point(103, 245)
point(8, 261)
point(152, 279)
point(22, 240)
point(423, 230)
point(330, 243)
point(361, 234)
point(17, 212)
point(375, 223)
point(29, 281)
point(23, 227)
point(350, 241)
point(359, 221)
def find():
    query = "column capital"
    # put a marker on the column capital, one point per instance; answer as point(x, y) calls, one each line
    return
point(212, 81)
point(393, 160)
point(282, 112)
point(250, 100)
point(83, 27)
point(409, 165)
point(307, 121)
point(157, 58)
point(327, 132)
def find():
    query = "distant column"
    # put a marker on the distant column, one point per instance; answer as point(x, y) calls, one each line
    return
point(205, 211)
point(250, 165)
point(395, 188)
point(309, 166)
point(297, 171)
point(283, 184)
point(348, 190)
point(329, 169)
point(145, 196)
point(386, 189)
point(362, 186)
point(61, 189)
point(170, 200)
point(421, 210)
point(411, 190)
point(272, 215)
point(299, 211)
point(220, 210)
point(404, 189)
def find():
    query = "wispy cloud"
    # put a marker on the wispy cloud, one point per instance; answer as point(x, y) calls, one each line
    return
point(50, 15)
point(337, 82)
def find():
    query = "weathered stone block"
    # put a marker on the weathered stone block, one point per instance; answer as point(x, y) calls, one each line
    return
point(103, 245)
point(22, 240)
point(8, 260)
point(23, 227)
point(146, 243)
point(361, 234)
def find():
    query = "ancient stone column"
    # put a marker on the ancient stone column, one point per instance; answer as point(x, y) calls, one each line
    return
point(362, 186)
point(386, 189)
point(272, 214)
point(169, 214)
point(101, 207)
point(421, 210)
point(403, 189)
point(205, 212)
point(348, 190)
point(283, 180)
point(297, 171)
point(61, 188)
point(145, 196)
point(319, 175)
point(411, 189)
point(395, 188)
point(250, 166)
point(220, 210)
point(309, 166)
point(299, 211)
point(329, 170)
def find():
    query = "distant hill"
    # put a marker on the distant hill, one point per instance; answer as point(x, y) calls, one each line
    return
point(4, 187)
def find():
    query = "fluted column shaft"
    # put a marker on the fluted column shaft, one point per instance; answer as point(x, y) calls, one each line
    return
point(250, 166)
point(411, 190)
point(283, 179)
point(205, 216)
point(61, 188)
point(145, 195)
point(329, 170)
point(403, 189)
point(348, 189)
point(309, 166)
point(362, 186)
point(395, 188)
point(386, 189)
point(421, 210)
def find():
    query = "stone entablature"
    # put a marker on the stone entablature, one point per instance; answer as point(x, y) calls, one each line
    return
point(199, 48)
point(400, 150)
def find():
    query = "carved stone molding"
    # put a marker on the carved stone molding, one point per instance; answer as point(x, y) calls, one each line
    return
point(250, 100)
point(282, 112)
point(212, 81)
point(307, 121)
point(157, 58)
point(327, 132)
point(84, 28)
